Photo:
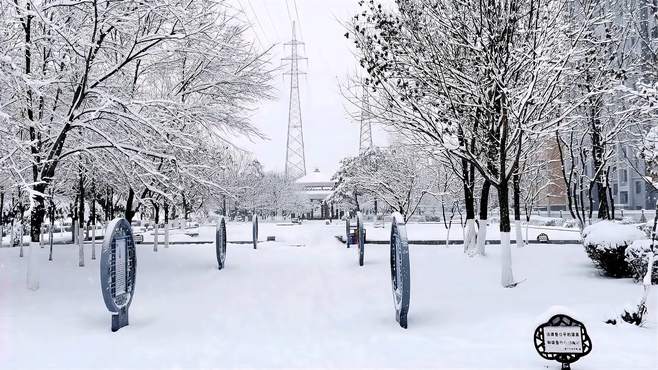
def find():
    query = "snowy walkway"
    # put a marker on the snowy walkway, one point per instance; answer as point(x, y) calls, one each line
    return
point(312, 306)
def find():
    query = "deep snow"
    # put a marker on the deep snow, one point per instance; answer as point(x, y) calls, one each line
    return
point(313, 306)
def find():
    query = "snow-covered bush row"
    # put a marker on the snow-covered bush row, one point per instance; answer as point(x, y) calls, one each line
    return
point(637, 258)
point(606, 242)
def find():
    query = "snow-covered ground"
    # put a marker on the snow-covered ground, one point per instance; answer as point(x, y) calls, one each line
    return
point(285, 305)
point(241, 231)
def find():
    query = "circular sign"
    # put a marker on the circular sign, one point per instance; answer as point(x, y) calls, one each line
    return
point(361, 236)
point(347, 232)
point(254, 231)
point(118, 268)
point(542, 238)
point(562, 339)
point(400, 271)
point(220, 243)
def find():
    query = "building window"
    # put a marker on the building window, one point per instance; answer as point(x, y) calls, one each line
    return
point(614, 188)
point(624, 176)
point(623, 197)
point(638, 187)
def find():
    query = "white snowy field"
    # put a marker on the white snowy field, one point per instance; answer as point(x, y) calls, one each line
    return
point(284, 306)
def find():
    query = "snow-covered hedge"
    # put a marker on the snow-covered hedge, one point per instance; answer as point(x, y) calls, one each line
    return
point(605, 243)
point(637, 257)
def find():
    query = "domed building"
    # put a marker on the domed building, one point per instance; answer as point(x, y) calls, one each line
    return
point(316, 187)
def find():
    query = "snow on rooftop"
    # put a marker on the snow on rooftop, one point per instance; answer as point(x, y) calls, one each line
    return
point(315, 177)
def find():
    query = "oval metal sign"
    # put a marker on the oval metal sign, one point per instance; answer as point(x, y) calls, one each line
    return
point(220, 243)
point(400, 270)
point(361, 236)
point(347, 232)
point(118, 267)
point(254, 231)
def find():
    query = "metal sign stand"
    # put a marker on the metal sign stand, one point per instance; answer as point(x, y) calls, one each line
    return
point(254, 231)
point(400, 270)
point(118, 269)
point(361, 236)
point(562, 339)
point(220, 243)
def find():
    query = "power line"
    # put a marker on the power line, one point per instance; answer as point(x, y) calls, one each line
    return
point(260, 42)
point(257, 18)
point(288, 9)
point(299, 21)
point(274, 26)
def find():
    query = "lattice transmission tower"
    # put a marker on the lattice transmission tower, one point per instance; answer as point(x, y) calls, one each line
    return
point(295, 159)
point(365, 136)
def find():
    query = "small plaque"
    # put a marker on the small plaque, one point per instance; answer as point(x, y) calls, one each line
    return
point(542, 238)
point(562, 339)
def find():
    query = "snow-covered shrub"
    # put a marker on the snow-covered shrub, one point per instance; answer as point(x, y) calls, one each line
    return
point(634, 314)
point(571, 224)
point(637, 257)
point(627, 220)
point(605, 243)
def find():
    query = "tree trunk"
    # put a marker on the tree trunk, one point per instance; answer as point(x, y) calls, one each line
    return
point(482, 230)
point(166, 226)
point(224, 205)
point(156, 209)
point(516, 185)
point(470, 235)
point(92, 219)
point(130, 212)
point(2, 219)
point(506, 278)
point(51, 233)
point(81, 222)
point(38, 212)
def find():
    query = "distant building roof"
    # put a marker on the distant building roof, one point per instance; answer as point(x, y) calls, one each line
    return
point(316, 177)
point(316, 185)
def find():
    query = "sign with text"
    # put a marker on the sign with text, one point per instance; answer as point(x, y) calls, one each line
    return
point(120, 266)
point(562, 339)
point(542, 238)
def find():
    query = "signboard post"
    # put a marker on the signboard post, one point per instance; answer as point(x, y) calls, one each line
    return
point(562, 339)
point(254, 231)
point(361, 236)
point(220, 243)
point(118, 270)
point(347, 232)
point(400, 271)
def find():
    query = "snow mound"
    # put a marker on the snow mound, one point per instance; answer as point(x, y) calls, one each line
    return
point(607, 234)
point(556, 310)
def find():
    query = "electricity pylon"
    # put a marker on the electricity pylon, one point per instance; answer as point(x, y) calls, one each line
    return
point(365, 136)
point(295, 159)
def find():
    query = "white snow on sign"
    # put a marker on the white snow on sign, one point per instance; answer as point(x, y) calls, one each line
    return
point(120, 267)
point(563, 339)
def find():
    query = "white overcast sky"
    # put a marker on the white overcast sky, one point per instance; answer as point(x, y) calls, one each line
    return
point(329, 132)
